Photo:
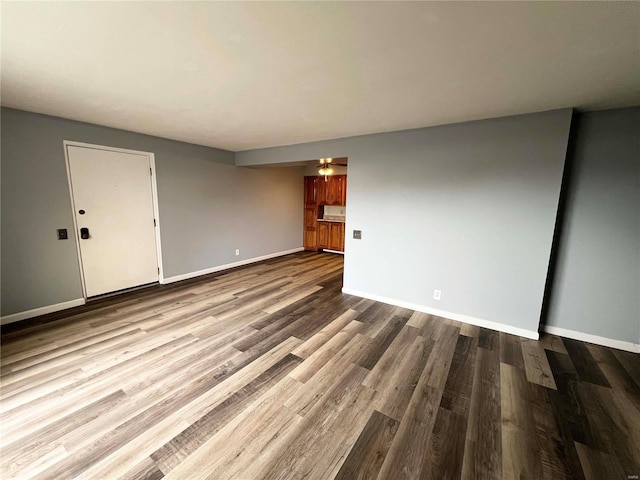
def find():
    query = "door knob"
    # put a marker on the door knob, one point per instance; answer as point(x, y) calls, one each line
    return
point(84, 233)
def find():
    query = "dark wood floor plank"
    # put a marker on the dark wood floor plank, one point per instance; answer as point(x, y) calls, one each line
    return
point(370, 449)
point(457, 391)
point(445, 451)
point(483, 444)
point(405, 457)
point(436, 371)
point(520, 453)
point(584, 363)
point(511, 350)
point(384, 372)
point(552, 342)
point(315, 321)
point(615, 429)
point(556, 449)
point(375, 318)
point(382, 342)
point(489, 340)
point(598, 465)
point(631, 363)
point(263, 288)
point(615, 372)
point(396, 374)
point(363, 304)
point(270, 333)
point(324, 460)
point(566, 402)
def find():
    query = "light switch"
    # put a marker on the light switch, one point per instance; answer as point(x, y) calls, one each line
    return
point(357, 234)
point(62, 234)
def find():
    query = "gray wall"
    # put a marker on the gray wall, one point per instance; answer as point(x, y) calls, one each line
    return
point(468, 209)
point(596, 287)
point(208, 207)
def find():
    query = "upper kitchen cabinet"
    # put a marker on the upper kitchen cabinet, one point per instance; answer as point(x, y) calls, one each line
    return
point(323, 187)
point(311, 190)
point(337, 190)
point(331, 190)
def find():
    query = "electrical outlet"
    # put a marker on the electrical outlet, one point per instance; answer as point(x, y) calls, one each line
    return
point(237, 252)
point(437, 294)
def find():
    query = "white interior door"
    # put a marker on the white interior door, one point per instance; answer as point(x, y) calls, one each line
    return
point(113, 200)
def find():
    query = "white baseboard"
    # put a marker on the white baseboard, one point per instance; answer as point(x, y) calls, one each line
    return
point(587, 337)
point(501, 327)
point(332, 251)
point(186, 276)
point(36, 312)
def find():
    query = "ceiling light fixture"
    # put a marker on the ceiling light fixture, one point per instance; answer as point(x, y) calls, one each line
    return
point(325, 166)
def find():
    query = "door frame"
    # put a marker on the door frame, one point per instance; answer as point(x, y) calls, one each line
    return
point(154, 195)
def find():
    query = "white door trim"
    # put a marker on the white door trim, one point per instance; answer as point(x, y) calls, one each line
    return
point(154, 191)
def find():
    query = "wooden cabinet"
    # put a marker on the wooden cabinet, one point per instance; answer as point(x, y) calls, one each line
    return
point(318, 192)
point(323, 234)
point(311, 190)
point(336, 236)
point(331, 235)
point(310, 240)
point(323, 187)
point(329, 191)
point(310, 227)
point(336, 190)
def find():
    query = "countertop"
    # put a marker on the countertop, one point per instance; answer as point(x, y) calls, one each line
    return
point(331, 220)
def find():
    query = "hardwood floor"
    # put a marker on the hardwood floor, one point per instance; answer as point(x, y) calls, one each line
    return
point(268, 371)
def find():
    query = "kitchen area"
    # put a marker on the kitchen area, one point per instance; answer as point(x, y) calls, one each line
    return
point(325, 200)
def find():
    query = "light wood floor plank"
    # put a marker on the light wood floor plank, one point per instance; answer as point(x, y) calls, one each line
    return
point(536, 364)
point(520, 458)
point(312, 345)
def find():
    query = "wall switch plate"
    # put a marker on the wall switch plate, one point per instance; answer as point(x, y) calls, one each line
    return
point(62, 234)
point(437, 294)
point(357, 234)
point(237, 252)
